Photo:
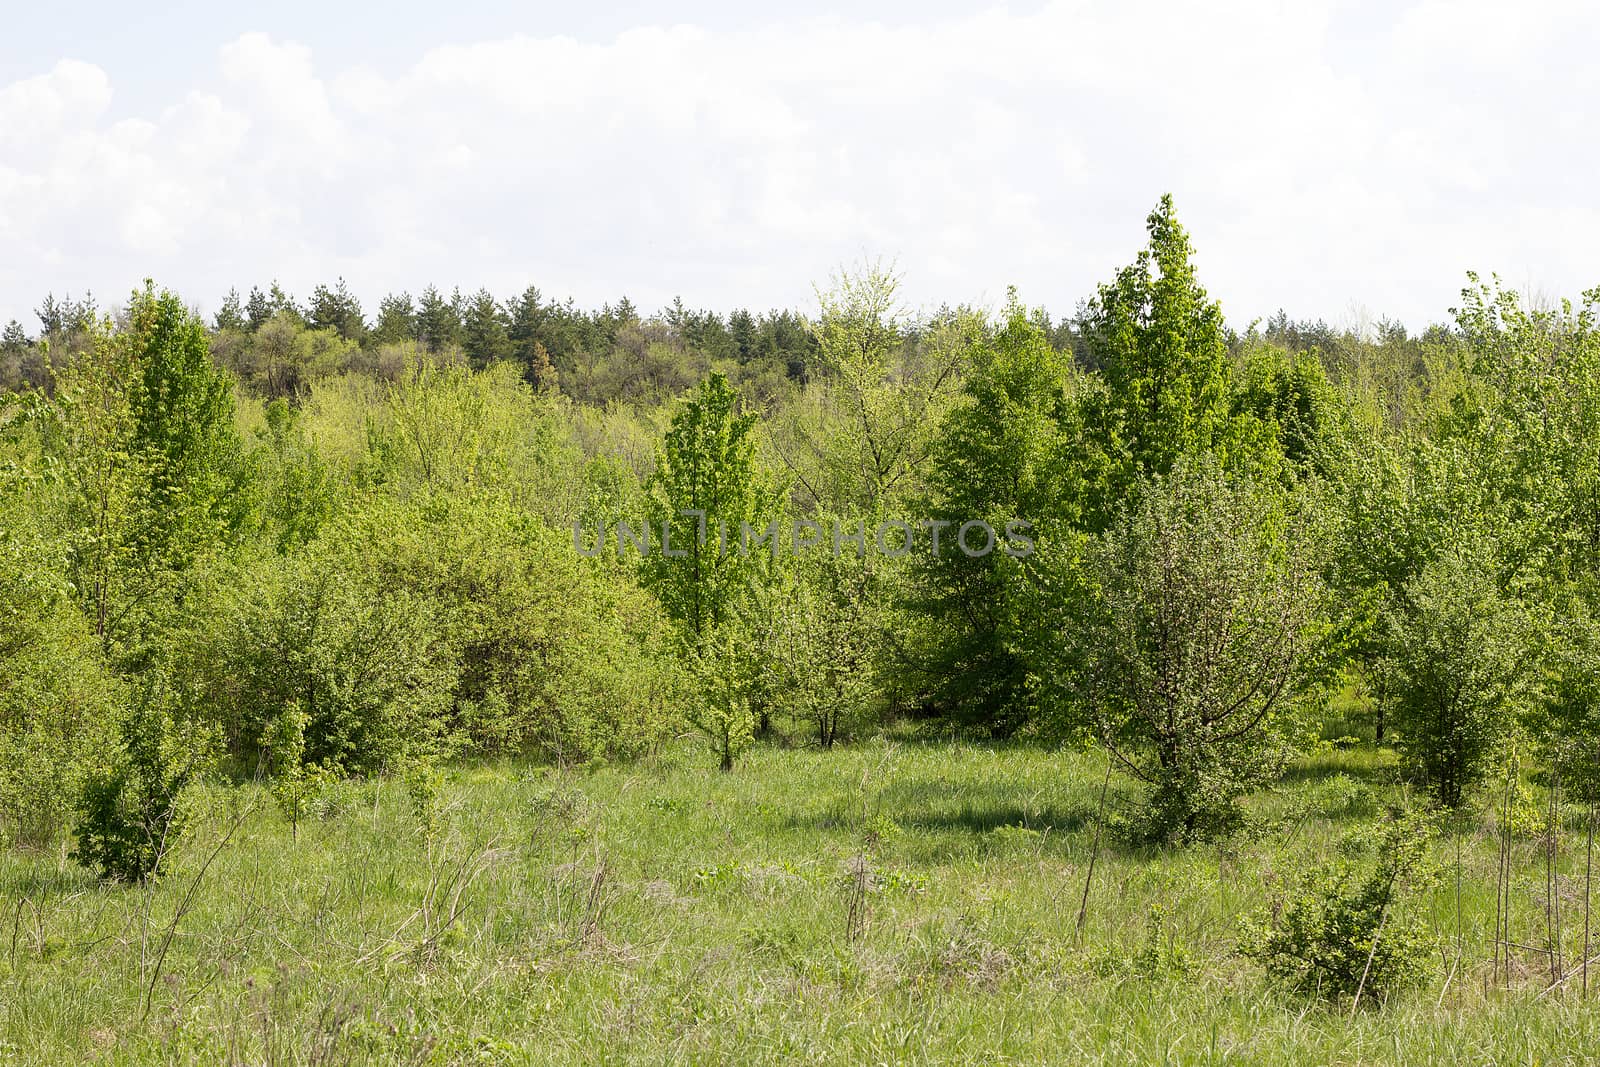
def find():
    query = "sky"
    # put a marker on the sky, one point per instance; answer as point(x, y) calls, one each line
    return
point(1343, 161)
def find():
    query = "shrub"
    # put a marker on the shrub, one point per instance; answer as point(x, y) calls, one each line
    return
point(721, 708)
point(1163, 954)
point(1345, 930)
point(57, 697)
point(362, 662)
point(550, 652)
point(131, 811)
point(417, 629)
point(1456, 668)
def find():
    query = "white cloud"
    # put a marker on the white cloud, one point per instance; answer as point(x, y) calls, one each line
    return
point(1322, 156)
point(64, 101)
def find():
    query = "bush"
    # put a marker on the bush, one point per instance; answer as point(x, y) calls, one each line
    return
point(550, 653)
point(824, 620)
point(418, 629)
point(1344, 930)
point(1457, 669)
point(1163, 954)
point(131, 811)
point(363, 663)
point(721, 708)
point(57, 698)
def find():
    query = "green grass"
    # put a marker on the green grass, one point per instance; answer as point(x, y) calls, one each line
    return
point(666, 913)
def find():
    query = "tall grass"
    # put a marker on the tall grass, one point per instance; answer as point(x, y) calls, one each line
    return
point(883, 903)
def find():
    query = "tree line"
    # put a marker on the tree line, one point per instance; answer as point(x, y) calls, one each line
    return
point(296, 542)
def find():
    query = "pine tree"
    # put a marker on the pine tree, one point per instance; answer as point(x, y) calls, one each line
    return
point(54, 316)
point(15, 349)
point(528, 313)
point(336, 309)
point(257, 309)
point(397, 320)
point(14, 340)
point(64, 322)
point(526, 329)
point(742, 331)
point(438, 321)
point(484, 333)
point(261, 307)
point(231, 315)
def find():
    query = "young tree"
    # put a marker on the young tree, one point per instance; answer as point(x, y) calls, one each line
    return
point(144, 428)
point(91, 433)
point(824, 645)
point(721, 707)
point(14, 339)
point(298, 492)
point(1456, 667)
point(1400, 497)
point(58, 704)
point(529, 331)
point(540, 371)
point(706, 502)
point(1570, 725)
point(742, 334)
point(132, 812)
point(14, 351)
point(261, 307)
point(1162, 349)
point(283, 358)
point(1001, 456)
point(1291, 394)
point(231, 315)
point(865, 439)
point(183, 424)
point(705, 491)
point(1192, 625)
point(448, 427)
point(68, 329)
point(1497, 457)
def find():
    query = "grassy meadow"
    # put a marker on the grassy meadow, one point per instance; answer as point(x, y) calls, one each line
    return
point(889, 902)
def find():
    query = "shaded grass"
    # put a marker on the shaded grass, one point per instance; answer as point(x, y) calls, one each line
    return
point(664, 912)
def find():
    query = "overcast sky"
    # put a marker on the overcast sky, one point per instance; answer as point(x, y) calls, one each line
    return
point(1338, 160)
